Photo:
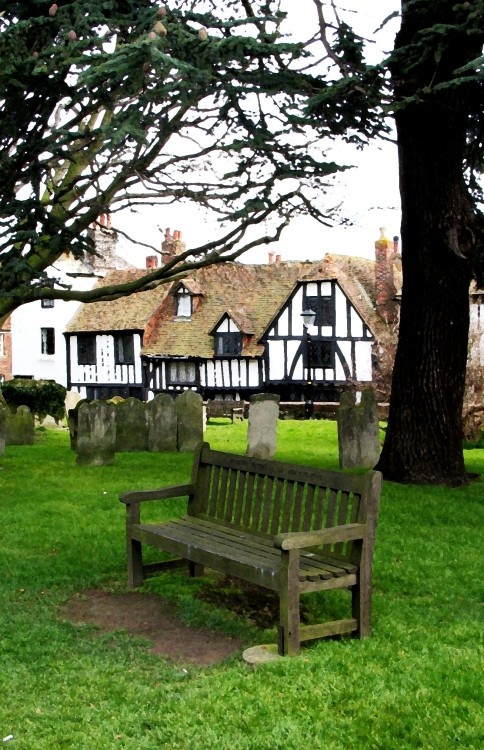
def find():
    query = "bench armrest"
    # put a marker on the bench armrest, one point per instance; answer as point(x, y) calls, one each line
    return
point(302, 539)
point(160, 493)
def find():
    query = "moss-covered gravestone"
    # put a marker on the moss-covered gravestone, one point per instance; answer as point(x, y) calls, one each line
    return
point(162, 423)
point(96, 434)
point(189, 411)
point(20, 427)
point(131, 427)
point(358, 430)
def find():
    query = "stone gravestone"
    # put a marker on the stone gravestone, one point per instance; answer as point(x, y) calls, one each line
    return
point(161, 419)
point(3, 428)
point(189, 412)
point(131, 427)
point(262, 432)
point(96, 434)
point(358, 433)
point(20, 427)
point(71, 400)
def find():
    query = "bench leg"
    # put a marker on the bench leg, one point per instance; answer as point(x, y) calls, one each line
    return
point(135, 564)
point(195, 570)
point(289, 617)
point(361, 604)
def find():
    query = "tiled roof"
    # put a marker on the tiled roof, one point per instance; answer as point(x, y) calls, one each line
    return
point(126, 313)
point(250, 294)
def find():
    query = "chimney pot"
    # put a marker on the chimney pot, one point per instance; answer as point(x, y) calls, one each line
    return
point(278, 258)
point(271, 256)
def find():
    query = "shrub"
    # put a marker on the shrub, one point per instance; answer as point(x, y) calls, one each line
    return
point(43, 397)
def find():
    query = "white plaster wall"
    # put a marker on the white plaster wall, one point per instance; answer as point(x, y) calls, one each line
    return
point(356, 323)
point(27, 322)
point(276, 360)
point(363, 360)
point(341, 320)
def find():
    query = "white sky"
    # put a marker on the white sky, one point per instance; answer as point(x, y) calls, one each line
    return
point(368, 193)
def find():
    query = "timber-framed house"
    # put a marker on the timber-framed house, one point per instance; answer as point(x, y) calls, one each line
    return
point(303, 330)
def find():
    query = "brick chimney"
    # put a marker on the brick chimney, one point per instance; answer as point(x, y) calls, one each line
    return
point(172, 245)
point(151, 261)
point(105, 241)
point(385, 291)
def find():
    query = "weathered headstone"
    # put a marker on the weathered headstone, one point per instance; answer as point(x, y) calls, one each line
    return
point(20, 427)
point(358, 432)
point(262, 432)
point(131, 427)
point(189, 411)
point(162, 428)
point(3, 428)
point(71, 400)
point(96, 433)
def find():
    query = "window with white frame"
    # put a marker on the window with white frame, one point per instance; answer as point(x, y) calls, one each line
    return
point(2, 344)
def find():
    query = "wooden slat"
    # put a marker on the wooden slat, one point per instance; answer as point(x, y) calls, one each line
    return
point(297, 507)
point(287, 505)
point(320, 508)
point(276, 511)
point(322, 630)
point(267, 505)
point(241, 492)
point(341, 518)
point(309, 508)
point(246, 514)
point(257, 499)
point(214, 486)
point(231, 490)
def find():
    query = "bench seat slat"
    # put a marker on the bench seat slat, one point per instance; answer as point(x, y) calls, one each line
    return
point(235, 545)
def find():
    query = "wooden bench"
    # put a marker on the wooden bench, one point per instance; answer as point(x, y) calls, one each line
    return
point(224, 408)
point(291, 529)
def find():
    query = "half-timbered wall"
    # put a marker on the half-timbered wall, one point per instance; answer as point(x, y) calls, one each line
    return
point(105, 371)
point(210, 376)
point(336, 349)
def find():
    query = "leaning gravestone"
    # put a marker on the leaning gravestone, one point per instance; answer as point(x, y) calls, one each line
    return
point(161, 419)
point(131, 428)
point(20, 427)
point(358, 431)
point(262, 432)
point(189, 411)
point(3, 428)
point(96, 434)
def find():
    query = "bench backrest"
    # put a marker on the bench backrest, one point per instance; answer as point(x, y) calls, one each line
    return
point(272, 497)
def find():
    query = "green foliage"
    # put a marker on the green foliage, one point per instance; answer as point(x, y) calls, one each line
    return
point(93, 93)
point(416, 684)
point(43, 397)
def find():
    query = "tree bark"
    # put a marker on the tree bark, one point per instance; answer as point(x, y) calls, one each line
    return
point(424, 435)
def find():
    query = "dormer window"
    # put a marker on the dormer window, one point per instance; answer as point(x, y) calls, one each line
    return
point(183, 303)
point(228, 344)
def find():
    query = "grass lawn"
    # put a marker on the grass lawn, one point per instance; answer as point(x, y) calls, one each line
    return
point(416, 683)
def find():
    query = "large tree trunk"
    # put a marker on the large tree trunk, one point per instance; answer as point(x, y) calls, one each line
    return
point(424, 436)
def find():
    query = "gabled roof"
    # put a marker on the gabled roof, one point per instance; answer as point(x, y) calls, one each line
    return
point(126, 313)
point(252, 295)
